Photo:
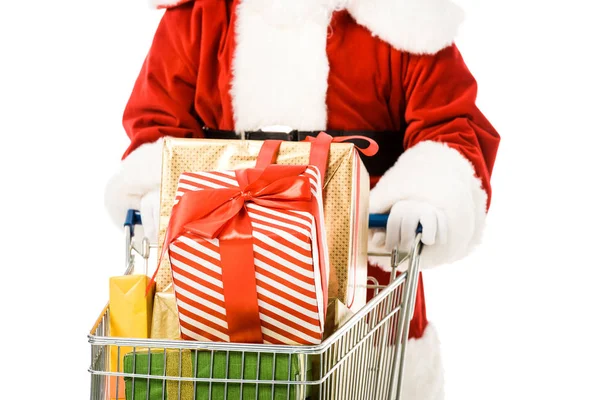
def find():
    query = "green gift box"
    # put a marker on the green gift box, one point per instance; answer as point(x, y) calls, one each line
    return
point(170, 364)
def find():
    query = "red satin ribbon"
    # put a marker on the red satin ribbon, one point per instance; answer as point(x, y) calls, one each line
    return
point(268, 153)
point(319, 151)
point(222, 214)
point(368, 151)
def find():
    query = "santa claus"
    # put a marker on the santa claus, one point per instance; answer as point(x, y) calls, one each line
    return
point(388, 69)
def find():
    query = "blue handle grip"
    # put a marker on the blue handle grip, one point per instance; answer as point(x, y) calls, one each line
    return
point(378, 220)
point(132, 219)
point(381, 220)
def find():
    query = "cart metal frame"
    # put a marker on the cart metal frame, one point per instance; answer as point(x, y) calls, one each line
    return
point(363, 359)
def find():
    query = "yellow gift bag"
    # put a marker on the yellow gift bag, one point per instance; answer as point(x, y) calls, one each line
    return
point(130, 316)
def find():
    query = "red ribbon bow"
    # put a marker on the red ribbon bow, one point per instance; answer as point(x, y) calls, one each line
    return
point(222, 214)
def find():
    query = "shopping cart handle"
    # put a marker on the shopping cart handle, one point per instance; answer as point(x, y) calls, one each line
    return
point(132, 219)
point(381, 220)
point(375, 220)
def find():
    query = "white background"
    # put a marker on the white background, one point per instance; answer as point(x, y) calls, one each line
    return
point(518, 319)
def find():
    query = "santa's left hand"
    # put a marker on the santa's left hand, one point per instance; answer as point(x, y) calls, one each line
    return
point(403, 220)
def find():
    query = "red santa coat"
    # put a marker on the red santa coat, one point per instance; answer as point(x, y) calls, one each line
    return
point(371, 65)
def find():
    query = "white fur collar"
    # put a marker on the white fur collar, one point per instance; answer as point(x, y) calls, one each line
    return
point(167, 3)
point(416, 26)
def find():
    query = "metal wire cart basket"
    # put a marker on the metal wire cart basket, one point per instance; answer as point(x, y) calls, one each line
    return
point(363, 359)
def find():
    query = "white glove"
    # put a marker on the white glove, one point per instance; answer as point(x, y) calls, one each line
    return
point(135, 185)
point(436, 185)
point(150, 213)
point(403, 220)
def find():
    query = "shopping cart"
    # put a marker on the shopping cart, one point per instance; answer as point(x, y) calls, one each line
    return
point(364, 359)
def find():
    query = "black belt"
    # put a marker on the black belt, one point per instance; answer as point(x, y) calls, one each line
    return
point(390, 143)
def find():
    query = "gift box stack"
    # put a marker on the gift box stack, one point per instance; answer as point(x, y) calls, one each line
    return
point(261, 242)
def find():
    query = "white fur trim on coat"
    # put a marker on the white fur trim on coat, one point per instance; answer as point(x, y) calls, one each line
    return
point(423, 370)
point(139, 173)
point(280, 67)
point(167, 3)
point(434, 173)
point(416, 26)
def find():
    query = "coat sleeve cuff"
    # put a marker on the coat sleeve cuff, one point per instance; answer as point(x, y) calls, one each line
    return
point(139, 173)
point(439, 175)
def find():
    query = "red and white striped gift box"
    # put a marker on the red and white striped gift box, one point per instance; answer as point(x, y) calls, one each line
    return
point(291, 282)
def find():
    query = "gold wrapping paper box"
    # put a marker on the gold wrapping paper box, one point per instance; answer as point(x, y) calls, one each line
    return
point(165, 317)
point(346, 197)
point(337, 315)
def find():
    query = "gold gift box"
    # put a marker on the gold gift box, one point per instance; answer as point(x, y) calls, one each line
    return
point(346, 196)
point(337, 315)
point(165, 317)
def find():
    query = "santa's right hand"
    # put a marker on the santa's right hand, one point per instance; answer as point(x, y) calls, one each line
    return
point(404, 218)
point(150, 213)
